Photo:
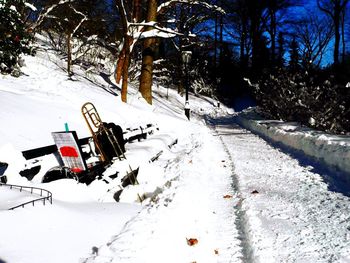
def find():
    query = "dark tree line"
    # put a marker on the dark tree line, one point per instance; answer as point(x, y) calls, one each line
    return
point(291, 56)
point(260, 33)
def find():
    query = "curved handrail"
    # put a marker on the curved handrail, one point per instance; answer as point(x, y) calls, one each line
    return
point(48, 196)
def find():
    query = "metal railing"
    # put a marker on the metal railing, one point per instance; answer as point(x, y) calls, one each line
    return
point(46, 196)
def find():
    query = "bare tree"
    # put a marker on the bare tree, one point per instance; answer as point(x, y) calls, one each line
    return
point(343, 16)
point(334, 9)
point(274, 17)
point(313, 35)
point(145, 30)
point(78, 19)
point(122, 68)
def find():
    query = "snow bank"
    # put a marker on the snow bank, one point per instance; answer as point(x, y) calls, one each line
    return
point(333, 150)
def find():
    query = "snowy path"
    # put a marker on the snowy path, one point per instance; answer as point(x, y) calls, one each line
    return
point(291, 215)
point(192, 205)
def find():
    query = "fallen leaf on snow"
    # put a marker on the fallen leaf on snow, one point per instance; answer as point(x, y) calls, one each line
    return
point(227, 196)
point(255, 192)
point(192, 241)
point(216, 251)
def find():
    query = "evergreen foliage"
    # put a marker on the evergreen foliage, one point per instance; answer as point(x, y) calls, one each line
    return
point(14, 37)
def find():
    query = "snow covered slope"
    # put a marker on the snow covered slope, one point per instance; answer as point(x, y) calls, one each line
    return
point(82, 217)
point(218, 195)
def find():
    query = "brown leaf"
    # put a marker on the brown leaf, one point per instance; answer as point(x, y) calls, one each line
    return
point(255, 192)
point(192, 241)
point(227, 196)
point(216, 251)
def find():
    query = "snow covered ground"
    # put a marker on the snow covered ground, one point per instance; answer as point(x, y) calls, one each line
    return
point(11, 198)
point(83, 217)
point(292, 212)
point(333, 150)
point(220, 194)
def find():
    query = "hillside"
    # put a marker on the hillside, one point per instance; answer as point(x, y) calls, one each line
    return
point(41, 101)
point(208, 190)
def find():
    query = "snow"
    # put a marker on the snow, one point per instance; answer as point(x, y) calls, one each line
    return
point(81, 217)
point(216, 193)
point(62, 232)
point(177, 214)
point(10, 198)
point(293, 213)
point(29, 5)
point(333, 150)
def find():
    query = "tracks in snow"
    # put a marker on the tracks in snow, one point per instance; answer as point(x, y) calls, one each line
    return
point(190, 205)
point(288, 213)
point(241, 218)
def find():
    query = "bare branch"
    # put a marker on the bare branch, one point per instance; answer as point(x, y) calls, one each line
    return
point(46, 12)
point(324, 9)
point(85, 18)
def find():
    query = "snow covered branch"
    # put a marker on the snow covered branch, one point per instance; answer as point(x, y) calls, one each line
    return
point(171, 3)
point(30, 6)
point(157, 31)
point(44, 14)
point(85, 18)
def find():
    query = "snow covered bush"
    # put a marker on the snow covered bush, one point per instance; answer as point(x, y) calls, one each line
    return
point(14, 37)
point(93, 52)
point(312, 99)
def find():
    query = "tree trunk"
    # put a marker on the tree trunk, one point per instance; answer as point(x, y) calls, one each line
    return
point(120, 64)
point(338, 6)
point(336, 41)
point(148, 56)
point(216, 49)
point(69, 54)
point(255, 43)
point(137, 11)
point(147, 70)
point(273, 36)
point(221, 39)
point(181, 26)
point(241, 49)
point(122, 68)
point(243, 42)
point(124, 53)
point(343, 35)
point(255, 13)
point(125, 71)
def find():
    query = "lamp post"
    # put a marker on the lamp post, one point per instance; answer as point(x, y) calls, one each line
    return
point(186, 58)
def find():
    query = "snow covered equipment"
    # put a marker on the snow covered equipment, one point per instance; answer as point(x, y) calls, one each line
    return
point(73, 164)
point(70, 151)
point(108, 138)
point(3, 167)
